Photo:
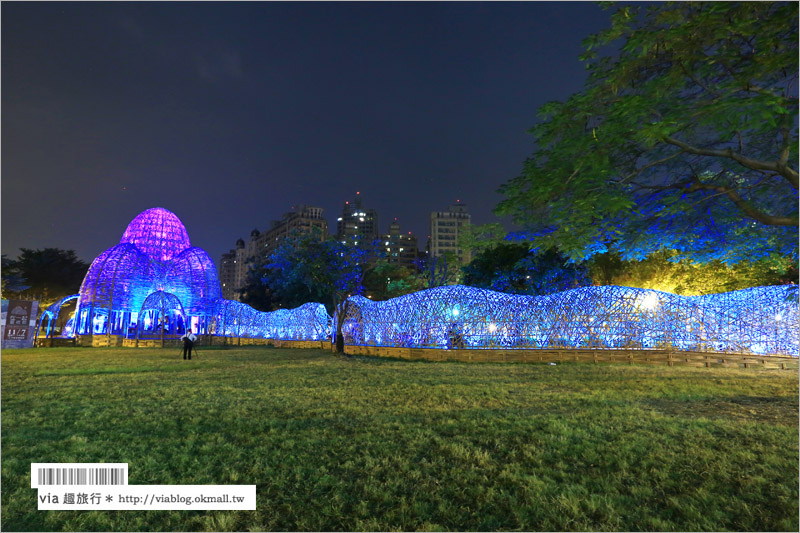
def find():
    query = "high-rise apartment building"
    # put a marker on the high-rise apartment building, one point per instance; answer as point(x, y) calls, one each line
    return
point(399, 248)
point(227, 274)
point(357, 224)
point(445, 229)
point(305, 220)
point(233, 268)
point(235, 264)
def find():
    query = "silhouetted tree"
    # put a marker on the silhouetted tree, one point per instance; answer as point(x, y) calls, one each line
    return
point(437, 271)
point(45, 275)
point(304, 269)
point(513, 268)
point(684, 138)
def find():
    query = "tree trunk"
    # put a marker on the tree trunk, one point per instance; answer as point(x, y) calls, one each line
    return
point(341, 314)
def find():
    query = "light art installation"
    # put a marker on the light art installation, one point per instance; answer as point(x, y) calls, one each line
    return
point(161, 315)
point(154, 283)
point(154, 254)
point(49, 323)
point(307, 322)
point(761, 320)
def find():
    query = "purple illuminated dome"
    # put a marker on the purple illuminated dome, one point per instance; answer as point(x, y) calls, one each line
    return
point(157, 232)
point(154, 258)
point(154, 285)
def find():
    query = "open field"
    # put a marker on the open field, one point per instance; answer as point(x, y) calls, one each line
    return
point(365, 443)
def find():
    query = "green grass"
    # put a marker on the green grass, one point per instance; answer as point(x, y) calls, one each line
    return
point(362, 443)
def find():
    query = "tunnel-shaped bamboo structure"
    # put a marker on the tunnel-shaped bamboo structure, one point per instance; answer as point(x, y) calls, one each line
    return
point(760, 320)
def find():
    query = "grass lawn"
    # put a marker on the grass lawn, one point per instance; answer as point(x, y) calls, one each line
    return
point(362, 443)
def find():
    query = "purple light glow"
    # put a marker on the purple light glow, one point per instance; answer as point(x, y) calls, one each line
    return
point(154, 254)
point(158, 233)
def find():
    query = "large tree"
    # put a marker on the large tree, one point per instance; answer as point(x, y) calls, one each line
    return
point(516, 269)
point(437, 271)
point(667, 271)
point(384, 280)
point(305, 269)
point(684, 137)
point(45, 275)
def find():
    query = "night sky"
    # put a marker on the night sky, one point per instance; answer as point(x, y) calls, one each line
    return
point(229, 114)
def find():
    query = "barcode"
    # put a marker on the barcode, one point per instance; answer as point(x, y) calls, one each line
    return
point(81, 476)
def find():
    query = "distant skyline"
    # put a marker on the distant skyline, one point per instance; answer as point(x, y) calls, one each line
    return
point(229, 114)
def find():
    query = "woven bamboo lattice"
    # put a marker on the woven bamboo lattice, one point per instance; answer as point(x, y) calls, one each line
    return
point(161, 315)
point(158, 233)
point(53, 321)
point(232, 319)
point(307, 322)
point(154, 277)
point(192, 277)
point(761, 320)
point(154, 254)
point(155, 258)
point(118, 281)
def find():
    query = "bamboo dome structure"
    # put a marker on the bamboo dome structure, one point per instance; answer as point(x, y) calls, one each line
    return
point(154, 255)
point(154, 283)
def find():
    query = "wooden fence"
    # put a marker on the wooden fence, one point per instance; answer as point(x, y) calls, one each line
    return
point(656, 357)
point(173, 341)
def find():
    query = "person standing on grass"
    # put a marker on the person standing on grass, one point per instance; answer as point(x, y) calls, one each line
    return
point(188, 342)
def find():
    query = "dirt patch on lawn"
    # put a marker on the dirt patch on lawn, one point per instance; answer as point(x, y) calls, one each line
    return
point(781, 410)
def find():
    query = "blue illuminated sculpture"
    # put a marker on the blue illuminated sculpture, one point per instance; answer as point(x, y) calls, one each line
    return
point(761, 320)
point(154, 254)
point(48, 323)
point(154, 283)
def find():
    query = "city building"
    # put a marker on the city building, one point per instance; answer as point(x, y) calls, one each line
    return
point(235, 264)
point(227, 274)
point(399, 248)
point(357, 224)
point(305, 220)
point(445, 229)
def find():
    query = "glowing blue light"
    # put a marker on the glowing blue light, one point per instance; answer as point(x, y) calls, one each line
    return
point(155, 254)
point(588, 317)
point(50, 316)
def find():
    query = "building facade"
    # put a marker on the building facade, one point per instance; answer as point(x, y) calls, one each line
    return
point(399, 248)
point(445, 229)
point(357, 224)
point(235, 264)
point(227, 274)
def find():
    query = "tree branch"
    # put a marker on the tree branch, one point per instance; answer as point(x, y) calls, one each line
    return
point(784, 170)
point(785, 148)
point(698, 82)
point(745, 207)
point(649, 165)
point(760, 90)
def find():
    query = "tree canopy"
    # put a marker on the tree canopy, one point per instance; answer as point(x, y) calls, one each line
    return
point(304, 269)
point(45, 275)
point(684, 137)
point(515, 269)
point(667, 271)
point(384, 280)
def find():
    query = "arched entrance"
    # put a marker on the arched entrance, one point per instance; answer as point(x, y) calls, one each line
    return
point(57, 321)
point(161, 317)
